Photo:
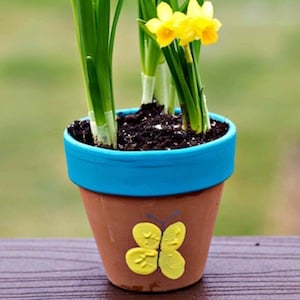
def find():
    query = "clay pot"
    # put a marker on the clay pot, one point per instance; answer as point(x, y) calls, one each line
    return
point(152, 212)
point(113, 217)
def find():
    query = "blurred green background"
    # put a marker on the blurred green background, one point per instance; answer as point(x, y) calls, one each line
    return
point(251, 76)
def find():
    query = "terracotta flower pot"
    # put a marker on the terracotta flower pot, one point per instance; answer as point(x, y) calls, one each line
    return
point(152, 212)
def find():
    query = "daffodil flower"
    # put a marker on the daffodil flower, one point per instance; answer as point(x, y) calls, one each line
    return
point(184, 28)
point(205, 25)
point(180, 35)
point(163, 25)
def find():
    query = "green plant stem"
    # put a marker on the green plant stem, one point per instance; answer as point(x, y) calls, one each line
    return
point(95, 36)
point(185, 97)
point(172, 97)
point(193, 85)
point(162, 87)
point(150, 53)
point(195, 50)
point(148, 85)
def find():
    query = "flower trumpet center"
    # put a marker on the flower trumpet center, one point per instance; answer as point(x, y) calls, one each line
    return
point(165, 36)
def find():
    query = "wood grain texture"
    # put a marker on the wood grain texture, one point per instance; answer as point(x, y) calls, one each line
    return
point(237, 268)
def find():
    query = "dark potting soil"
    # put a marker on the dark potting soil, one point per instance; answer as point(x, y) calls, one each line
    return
point(150, 128)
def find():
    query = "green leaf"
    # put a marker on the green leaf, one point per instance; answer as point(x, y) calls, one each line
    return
point(94, 91)
point(147, 9)
point(86, 26)
point(95, 37)
point(114, 27)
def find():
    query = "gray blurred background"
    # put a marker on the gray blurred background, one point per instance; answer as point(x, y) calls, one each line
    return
point(251, 76)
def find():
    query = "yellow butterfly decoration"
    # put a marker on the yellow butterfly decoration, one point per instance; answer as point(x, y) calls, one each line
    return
point(157, 249)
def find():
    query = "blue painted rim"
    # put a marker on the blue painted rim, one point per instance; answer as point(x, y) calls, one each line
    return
point(153, 172)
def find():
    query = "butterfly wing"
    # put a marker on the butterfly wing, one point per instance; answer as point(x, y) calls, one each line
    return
point(147, 235)
point(173, 236)
point(141, 261)
point(171, 264)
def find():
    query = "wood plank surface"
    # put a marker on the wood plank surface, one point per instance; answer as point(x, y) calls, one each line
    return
point(238, 268)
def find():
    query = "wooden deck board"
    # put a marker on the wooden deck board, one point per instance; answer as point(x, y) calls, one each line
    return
point(238, 268)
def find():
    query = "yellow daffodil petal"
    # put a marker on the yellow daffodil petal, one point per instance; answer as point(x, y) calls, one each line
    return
point(184, 28)
point(217, 24)
point(153, 25)
point(194, 9)
point(178, 17)
point(207, 10)
point(164, 11)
